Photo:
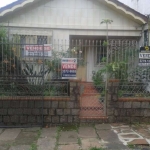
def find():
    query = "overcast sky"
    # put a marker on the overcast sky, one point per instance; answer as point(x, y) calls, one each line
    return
point(5, 2)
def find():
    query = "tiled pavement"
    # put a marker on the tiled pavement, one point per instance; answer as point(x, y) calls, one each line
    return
point(106, 136)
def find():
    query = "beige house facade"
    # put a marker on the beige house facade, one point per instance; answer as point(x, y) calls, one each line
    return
point(60, 21)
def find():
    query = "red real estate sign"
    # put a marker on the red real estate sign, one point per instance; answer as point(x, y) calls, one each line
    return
point(38, 50)
point(69, 68)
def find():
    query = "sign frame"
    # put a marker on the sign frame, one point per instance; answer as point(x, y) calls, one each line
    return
point(35, 50)
point(144, 55)
point(69, 68)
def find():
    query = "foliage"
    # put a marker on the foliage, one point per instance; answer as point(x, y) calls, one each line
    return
point(56, 88)
point(140, 74)
point(95, 148)
point(106, 21)
point(69, 127)
point(117, 70)
point(98, 78)
point(3, 33)
point(131, 146)
point(33, 146)
point(105, 43)
point(55, 63)
point(36, 72)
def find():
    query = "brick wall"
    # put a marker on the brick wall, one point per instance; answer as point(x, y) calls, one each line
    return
point(129, 110)
point(31, 112)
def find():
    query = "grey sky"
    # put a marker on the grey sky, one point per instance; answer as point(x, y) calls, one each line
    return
point(5, 2)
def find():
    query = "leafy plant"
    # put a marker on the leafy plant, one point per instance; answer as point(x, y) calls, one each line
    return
point(104, 59)
point(105, 43)
point(117, 70)
point(51, 92)
point(36, 72)
point(98, 78)
point(120, 93)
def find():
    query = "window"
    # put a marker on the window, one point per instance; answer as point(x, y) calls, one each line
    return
point(100, 52)
point(146, 38)
point(41, 40)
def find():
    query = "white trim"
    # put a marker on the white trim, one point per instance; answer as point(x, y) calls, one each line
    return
point(107, 1)
point(125, 11)
point(15, 7)
point(75, 27)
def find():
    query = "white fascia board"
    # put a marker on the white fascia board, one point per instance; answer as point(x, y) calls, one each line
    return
point(126, 12)
point(15, 7)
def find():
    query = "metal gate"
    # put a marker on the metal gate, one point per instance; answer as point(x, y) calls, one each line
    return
point(92, 101)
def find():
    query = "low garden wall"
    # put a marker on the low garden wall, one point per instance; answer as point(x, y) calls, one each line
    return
point(38, 110)
point(129, 110)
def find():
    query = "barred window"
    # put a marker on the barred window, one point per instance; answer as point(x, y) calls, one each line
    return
point(41, 40)
point(146, 37)
point(100, 53)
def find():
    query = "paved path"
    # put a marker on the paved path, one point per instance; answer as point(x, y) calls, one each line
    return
point(104, 136)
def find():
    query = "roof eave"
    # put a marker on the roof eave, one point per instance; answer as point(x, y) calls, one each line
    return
point(127, 10)
point(15, 7)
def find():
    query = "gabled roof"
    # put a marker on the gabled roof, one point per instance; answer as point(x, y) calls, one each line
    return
point(128, 10)
point(13, 6)
point(113, 3)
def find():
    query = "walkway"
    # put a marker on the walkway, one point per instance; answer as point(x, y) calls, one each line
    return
point(90, 105)
point(102, 136)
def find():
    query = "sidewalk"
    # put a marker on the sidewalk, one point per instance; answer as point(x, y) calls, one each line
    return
point(102, 136)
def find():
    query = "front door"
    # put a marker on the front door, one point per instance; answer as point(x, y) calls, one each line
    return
point(90, 64)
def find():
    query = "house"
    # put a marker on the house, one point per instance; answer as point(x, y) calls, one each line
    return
point(60, 22)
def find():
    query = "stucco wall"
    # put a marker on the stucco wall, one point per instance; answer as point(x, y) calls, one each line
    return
point(73, 17)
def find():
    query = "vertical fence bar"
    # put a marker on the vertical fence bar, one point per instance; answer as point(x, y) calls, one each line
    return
point(43, 87)
point(2, 45)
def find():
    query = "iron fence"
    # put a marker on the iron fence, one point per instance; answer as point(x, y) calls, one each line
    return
point(124, 64)
point(27, 68)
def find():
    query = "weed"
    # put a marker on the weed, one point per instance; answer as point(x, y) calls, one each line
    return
point(33, 146)
point(9, 145)
point(131, 146)
point(95, 148)
point(69, 127)
point(38, 134)
point(79, 141)
point(57, 137)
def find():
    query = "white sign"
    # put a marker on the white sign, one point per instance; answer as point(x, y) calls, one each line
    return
point(69, 68)
point(144, 55)
point(144, 64)
point(38, 50)
point(144, 60)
